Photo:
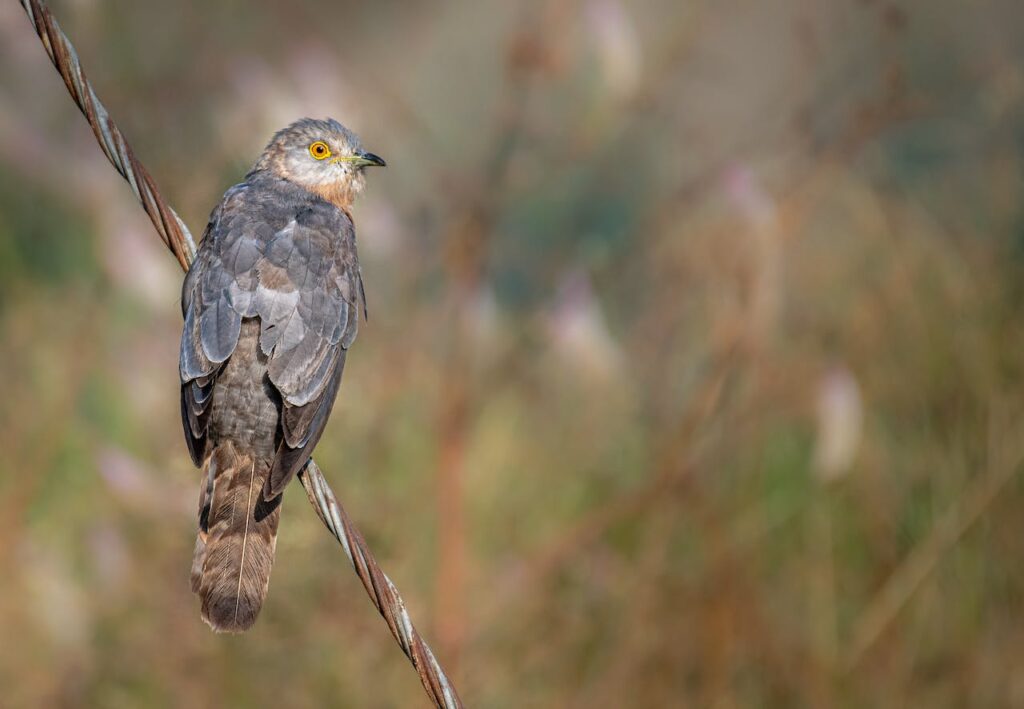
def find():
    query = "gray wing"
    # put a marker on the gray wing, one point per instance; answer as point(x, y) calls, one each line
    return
point(303, 282)
point(211, 325)
point(307, 296)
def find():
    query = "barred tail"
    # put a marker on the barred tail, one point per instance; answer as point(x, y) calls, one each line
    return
point(235, 545)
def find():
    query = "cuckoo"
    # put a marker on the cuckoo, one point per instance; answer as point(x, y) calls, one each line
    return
point(271, 306)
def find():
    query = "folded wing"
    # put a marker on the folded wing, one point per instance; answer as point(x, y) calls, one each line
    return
point(302, 281)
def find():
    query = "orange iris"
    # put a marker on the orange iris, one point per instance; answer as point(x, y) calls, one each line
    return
point(319, 150)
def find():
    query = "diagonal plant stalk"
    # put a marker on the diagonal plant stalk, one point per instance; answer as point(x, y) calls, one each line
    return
point(176, 237)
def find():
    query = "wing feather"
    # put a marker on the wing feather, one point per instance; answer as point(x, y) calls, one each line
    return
point(309, 294)
point(304, 425)
point(289, 259)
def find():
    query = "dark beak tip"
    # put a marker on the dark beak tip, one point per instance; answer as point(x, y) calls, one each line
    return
point(375, 159)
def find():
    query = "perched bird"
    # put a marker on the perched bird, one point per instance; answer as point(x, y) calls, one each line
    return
point(271, 306)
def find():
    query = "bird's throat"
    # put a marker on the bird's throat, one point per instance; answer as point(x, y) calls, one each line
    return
point(339, 194)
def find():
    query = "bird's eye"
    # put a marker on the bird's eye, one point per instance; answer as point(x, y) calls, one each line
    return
point(319, 150)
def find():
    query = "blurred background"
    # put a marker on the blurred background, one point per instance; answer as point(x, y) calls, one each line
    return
point(693, 374)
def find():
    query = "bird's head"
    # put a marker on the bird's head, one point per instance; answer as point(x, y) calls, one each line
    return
point(324, 157)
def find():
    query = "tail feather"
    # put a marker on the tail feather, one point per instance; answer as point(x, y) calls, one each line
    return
point(236, 540)
point(205, 495)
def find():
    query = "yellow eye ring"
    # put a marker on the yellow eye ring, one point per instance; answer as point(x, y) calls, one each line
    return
point(319, 150)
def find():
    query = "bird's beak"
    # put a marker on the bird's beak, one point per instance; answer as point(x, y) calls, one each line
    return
point(367, 159)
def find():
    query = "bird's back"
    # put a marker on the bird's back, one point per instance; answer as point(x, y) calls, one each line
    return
point(246, 410)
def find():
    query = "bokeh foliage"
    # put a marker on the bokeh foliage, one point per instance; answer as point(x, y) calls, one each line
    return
point(693, 374)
